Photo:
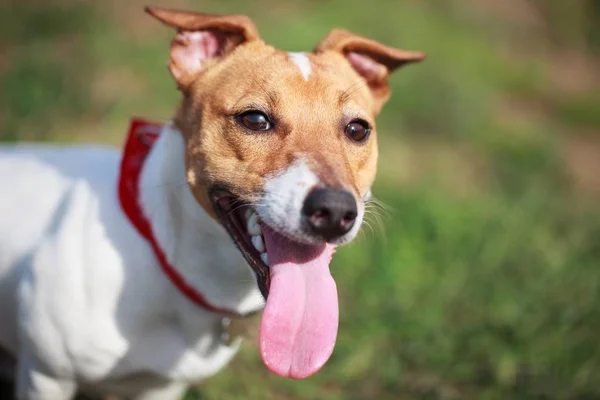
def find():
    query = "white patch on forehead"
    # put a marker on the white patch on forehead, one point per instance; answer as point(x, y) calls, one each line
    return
point(302, 62)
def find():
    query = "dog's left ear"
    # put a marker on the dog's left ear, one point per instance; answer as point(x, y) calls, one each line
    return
point(370, 59)
point(200, 39)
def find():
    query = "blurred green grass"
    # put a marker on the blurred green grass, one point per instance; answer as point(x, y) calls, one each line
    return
point(485, 282)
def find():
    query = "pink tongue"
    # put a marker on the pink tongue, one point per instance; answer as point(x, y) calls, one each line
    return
point(300, 321)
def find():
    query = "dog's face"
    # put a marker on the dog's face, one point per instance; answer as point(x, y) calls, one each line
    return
point(282, 141)
point(278, 127)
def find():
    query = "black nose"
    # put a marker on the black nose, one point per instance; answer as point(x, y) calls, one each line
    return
point(330, 213)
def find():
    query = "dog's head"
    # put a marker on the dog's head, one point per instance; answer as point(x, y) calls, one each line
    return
point(281, 147)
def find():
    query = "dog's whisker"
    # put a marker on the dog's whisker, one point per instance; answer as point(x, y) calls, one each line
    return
point(376, 214)
point(378, 203)
point(357, 85)
point(368, 225)
point(371, 218)
point(239, 206)
point(377, 211)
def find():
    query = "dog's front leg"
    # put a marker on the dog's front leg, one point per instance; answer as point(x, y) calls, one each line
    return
point(33, 384)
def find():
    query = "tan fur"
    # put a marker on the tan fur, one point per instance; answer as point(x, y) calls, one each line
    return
point(309, 114)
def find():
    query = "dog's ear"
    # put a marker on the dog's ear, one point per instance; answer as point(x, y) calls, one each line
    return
point(370, 59)
point(201, 38)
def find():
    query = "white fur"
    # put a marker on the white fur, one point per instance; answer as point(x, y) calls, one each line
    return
point(284, 194)
point(360, 214)
point(302, 62)
point(83, 303)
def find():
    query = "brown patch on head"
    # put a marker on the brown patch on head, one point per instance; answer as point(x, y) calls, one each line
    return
point(308, 112)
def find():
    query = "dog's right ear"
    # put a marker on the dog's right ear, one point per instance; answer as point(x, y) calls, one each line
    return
point(200, 39)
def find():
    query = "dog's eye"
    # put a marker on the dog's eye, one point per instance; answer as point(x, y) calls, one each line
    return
point(358, 130)
point(255, 121)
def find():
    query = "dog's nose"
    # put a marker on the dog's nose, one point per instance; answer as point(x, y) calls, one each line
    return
point(330, 213)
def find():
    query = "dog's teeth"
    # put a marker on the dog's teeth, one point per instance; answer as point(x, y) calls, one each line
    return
point(253, 226)
point(265, 258)
point(247, 213)
point(258, 243)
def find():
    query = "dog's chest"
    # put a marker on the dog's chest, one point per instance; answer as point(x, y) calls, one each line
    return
point(170, 352)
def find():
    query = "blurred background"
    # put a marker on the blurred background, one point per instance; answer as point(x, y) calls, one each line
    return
point(481, 280)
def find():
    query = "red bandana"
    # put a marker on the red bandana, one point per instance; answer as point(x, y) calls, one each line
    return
point(140, 139)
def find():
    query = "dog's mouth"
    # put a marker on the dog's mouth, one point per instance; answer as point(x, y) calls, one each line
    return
point(244, 226)
point(300, 319)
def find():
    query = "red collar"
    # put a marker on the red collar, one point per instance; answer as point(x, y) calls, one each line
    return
point(140, 139)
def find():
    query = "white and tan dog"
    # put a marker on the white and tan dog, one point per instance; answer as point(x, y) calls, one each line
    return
point(119, 272)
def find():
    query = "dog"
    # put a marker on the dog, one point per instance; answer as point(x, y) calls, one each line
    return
point(125, 273)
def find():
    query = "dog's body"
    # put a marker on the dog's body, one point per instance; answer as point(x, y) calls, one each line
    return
point(81, 287)
point(268, 148)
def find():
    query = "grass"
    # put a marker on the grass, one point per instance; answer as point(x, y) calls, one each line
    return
point(486, 279)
